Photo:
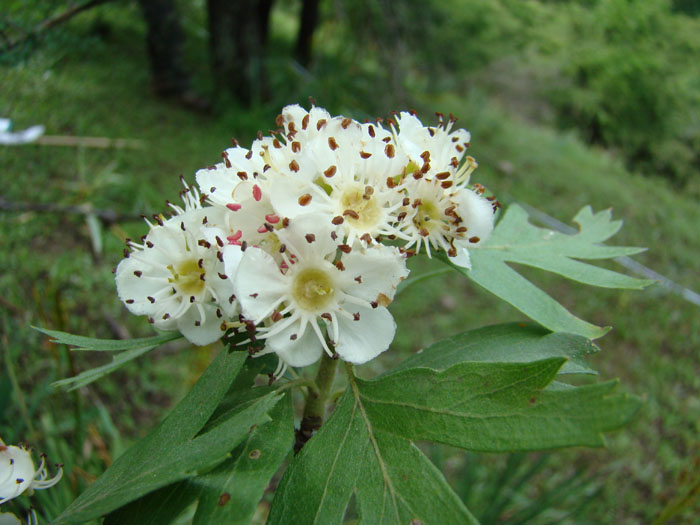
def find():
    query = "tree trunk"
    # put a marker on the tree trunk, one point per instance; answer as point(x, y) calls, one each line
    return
point(308, 20)
point(164, 41)
point(237, 37)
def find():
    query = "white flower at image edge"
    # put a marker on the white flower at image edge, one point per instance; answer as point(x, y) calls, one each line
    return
point(18, 475)
point(349, 296)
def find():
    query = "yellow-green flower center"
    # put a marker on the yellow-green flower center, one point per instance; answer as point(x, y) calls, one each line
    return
point(270, 242)
point(360, 207)
point(427, 217)
point(186, 277)
point(312, 289)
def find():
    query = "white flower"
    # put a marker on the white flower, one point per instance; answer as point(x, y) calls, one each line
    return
point(18, 475)
point(345, 171)
point(176, 276)
point(219, 181)
point(435, 150)
point(348, 295)
point(452, 220)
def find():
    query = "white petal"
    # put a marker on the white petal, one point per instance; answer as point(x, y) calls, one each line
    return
point(294, 113)
point(258, 284)
point(217, 183)
point(362, 340)
point(238, 157)
point(286, 192)
point(232, 256)
point(131, 287)
point(302, 351)
point(223, 288)
point(319, 225)
point(462, 259)
point(207, 332)
point(477, 214)
point(19, 463)
point(374, 271)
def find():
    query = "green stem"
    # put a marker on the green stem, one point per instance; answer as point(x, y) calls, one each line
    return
point(300, 382)
point(315, 408)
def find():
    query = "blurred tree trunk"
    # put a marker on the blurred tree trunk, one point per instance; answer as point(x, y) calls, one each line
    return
point(308, 20)
point(237, 37)
point(164, 42)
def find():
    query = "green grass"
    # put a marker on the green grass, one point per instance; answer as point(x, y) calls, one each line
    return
point(51, 277)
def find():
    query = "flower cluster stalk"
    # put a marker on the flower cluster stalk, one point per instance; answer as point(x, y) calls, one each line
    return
point(315, 408)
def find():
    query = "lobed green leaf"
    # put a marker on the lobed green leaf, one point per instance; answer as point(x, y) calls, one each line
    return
point(515, 240)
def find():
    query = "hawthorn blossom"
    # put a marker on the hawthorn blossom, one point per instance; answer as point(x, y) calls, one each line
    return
point(316, 301)
point(18, 475)
point(345, 171)
point(451, 220)
point(176, 275)
point(435, 149)
point(275, 231)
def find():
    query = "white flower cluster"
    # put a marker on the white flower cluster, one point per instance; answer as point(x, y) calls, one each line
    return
point(18, 475)
point(287, 239)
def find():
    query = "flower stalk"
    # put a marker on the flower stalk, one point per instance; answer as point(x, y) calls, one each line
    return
point(315, 408)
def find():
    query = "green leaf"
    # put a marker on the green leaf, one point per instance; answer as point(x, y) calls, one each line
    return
point(398, 484)
point(319, 481)
point(128, 349)
point(174, 451)
point(230, 493)
point(494, 407)
point(89, 376)
point(515, 240)
point(395, 482)
point(160, 506)
point(367, 441)
point(108, 345)
point(513, 342)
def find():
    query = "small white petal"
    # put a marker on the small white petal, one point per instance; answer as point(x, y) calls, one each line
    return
point(316, 224)
point(286, 193)
point(17, 471)
point(362, 340)
point(376, 270)
point(477, 214)
point(462, 259)
point(206, 332)
point(135, 283)
point(259, 285)
point(304, 350)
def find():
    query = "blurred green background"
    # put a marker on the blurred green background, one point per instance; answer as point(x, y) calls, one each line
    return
point(569, 103)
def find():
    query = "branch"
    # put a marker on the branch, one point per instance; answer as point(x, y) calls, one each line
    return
point(56, 20)
point(107, 216)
